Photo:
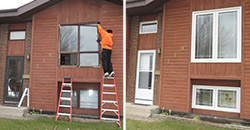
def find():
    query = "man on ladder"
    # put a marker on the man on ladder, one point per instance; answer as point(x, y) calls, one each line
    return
point(106, 44)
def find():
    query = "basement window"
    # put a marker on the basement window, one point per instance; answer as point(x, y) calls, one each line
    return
point(216, 35)
point(78, 46)
point(217, 98)
point(17, 35)
point(148, 27)
point(74, 99)
point(89, 99)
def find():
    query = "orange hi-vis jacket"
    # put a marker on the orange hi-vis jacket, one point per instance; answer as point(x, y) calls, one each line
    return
point(107, 38)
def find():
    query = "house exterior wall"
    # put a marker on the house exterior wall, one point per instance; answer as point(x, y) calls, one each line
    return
point(142, 42)
point(46, 73)
point(14, 48)
point(3, 55)
point(178, 74)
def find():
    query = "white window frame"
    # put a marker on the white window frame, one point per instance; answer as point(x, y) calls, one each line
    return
point(148, 22)
point(215, 98)
point(214, 58)
point(21, 35)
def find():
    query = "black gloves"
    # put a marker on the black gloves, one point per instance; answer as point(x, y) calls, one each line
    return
point(98, 22)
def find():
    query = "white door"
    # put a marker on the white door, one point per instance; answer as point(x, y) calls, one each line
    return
point(145, 77)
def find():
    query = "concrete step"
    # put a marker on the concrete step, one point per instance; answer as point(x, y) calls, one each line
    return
point(141, 110)
point(12, 112)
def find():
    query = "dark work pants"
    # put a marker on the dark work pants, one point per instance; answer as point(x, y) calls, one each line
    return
point(106, 61)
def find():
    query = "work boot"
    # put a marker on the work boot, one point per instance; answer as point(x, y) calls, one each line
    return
point(106, 74)
point(112, 74)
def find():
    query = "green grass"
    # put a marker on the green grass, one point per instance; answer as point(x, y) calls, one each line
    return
point(167, 125)
point(48, 124)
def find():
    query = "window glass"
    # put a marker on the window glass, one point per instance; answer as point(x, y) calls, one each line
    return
point(227, 39)
point(227, 99)
point(69, 38)
point(88, 37)
point(17, 35)
point(74, 98)
point(89, 59)
point(146, 61)
point(149, 27)
point(89, 99)
point(68, 59)
point(145, 80)
point(204, 97)
point(204, 36)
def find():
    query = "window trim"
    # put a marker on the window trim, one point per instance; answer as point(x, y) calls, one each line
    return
point(215, 98)
point(148, 22)
point(78, 52)
point(215, 13)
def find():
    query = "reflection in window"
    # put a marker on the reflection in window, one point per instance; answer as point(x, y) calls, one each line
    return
point(89, 59)
point(89, 99)
point(87, 53)
point(204, 97)
point(88, 37)
point(227, 99)
point(69, 38)
point(204, 33)
point(227, 44)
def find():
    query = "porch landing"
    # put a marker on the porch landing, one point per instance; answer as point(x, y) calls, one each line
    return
point(141, 110)
point(12, 112)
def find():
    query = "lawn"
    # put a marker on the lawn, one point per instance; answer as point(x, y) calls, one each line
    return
point(48, 124)
point(167, 125)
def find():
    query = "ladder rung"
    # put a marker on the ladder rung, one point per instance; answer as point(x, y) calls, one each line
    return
point(108, 101)
point(64, 114)
point(110, 110)
point(108, 85)
point(109, 93)
point(66, 84)
point(110, 119)
point(66, 99)
point(67, 91)
point(65, 106)
point(108, 77)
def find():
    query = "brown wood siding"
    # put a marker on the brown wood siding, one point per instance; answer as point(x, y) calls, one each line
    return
point(43, 85)
point(147, 41)
point(19, 26)
point(216, 70)
point(175, 62)
point(45, 50)
point(16, 48)
point(176, 69)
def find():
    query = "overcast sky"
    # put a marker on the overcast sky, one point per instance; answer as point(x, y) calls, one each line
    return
point(10, 4)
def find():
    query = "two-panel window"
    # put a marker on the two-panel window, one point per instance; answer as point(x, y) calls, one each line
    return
point(216, 35)
point(78, 46)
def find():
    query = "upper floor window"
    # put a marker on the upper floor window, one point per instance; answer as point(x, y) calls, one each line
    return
point(17, 35)
point(216, 35)
point(148, 27)
point(78, 46)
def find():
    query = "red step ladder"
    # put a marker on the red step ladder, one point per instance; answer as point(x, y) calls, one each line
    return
point(66, 89)
point(114, 102)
